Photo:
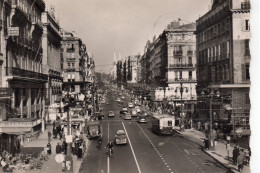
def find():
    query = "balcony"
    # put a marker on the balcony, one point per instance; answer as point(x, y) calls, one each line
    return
point(178, 53)
point(245, 5)
point(181, 65)
point(17, 72)
point(184, 80)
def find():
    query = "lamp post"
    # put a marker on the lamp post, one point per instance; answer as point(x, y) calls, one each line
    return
point(181, 89)
point(212, 134)
point(68, 158)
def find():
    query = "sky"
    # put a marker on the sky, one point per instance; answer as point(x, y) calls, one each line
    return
point(122, 26)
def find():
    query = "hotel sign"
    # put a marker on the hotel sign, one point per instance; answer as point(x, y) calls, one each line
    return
point(13, 31)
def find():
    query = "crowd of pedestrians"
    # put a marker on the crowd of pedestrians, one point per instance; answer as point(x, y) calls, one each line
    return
point(241, 157)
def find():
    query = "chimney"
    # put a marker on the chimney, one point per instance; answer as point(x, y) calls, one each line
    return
point(74, 33)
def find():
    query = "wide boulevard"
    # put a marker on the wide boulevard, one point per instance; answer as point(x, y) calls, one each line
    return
point(145, 152)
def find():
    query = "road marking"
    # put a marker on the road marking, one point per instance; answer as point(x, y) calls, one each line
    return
point(108, 161)
point(132, 149)
point(159, 154)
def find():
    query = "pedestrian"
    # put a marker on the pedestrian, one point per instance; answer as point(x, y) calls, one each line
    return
point(247, 156)
point(235, 138)
point(240, 162)
point(206, 143)
point(79, 153)
point(64, 147)
point(235, 154)
point(58, 148)
point(49, 149)
point(54, 132)
point(49, 136)
point(199, 125)
point(73, 147)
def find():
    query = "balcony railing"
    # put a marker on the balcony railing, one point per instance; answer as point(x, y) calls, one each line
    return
point(185, 80)
point(12, 71)
point(180, 65)
point(178, 53)
point(245, 5)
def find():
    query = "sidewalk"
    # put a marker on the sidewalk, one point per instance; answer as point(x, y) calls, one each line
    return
point(51, 166)
point(220, 153)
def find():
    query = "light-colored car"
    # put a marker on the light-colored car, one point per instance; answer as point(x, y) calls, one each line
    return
point(134, 113)
point(111, 114)
point(242, 131)
point(118, 100)
point(120, 137)
point(130, 105)
point(138, 110)
point(128, 116)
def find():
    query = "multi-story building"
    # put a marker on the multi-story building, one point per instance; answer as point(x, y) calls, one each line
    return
point(223, 57)
point(51, 44)
point(21, 71)
point(132, 66)
point(73, 52)
point(169, 62)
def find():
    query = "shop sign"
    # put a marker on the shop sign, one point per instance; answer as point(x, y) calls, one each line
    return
point(15, 124)
point(13, 31)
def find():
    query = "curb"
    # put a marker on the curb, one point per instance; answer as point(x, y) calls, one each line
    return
point(224, 165)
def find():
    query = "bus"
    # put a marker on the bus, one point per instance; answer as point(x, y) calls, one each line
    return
point(163, 124)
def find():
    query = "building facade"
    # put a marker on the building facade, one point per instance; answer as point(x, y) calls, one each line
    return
point(51, 44)
point(22, 74)
point(73, 52)
point(223, 57)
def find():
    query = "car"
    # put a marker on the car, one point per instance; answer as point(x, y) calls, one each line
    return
point(103, 100)
point(124, 110)
point(122, 97)
point(111, 114)
point(130, 105)
point(142, 119)
point(120, 137)
point(241, 131)
point(128, 116)
point(138, 110)
point(134, 113)
point(118, 100)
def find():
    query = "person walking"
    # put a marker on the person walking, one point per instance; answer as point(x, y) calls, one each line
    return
point(235, 154)
point(79, 153)
point(206, 143)
point(199, 125)
point(240, 162)
point(49, 149)
point(58, 148)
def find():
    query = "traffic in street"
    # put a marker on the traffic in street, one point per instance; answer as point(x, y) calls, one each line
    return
point(144, 150)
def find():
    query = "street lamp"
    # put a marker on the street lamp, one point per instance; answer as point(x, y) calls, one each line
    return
point(181, 88)
point(212, 134)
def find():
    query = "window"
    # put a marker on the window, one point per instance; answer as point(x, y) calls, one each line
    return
point(228, 52)
point(69, 65)
point(247, 49)
point(190, 74)
point(180, 75)
point(247, 72)
point(73, 66)
point(247, 25)
point(190, 60)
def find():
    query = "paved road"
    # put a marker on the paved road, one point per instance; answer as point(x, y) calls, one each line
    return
point(145, 151)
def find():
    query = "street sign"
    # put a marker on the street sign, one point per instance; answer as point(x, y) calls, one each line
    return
point(13, 31)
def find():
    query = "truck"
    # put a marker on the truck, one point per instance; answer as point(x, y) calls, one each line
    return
point(93, 129)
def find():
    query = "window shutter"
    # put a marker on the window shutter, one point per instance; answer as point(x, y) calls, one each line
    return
point(243, 70)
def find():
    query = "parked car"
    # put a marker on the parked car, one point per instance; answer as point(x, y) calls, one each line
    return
point(241, 131)
point(120, 137)
point(111, 114)
point(128, 116)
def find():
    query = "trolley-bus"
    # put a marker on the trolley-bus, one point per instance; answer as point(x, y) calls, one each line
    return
point(163, 124)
